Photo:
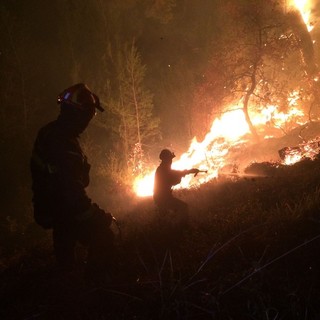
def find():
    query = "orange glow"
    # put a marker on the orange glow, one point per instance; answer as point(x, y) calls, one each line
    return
point(304, 7)
point(292, 159)
point(143, 186)
point(231, 130)
point(309, 150)
point(228, 131)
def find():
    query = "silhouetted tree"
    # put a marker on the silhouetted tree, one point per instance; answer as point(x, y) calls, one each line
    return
point(139, 127)
point(256, 54)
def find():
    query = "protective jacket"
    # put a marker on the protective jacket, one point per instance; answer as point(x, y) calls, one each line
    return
point(60, 174)
point(165, 179)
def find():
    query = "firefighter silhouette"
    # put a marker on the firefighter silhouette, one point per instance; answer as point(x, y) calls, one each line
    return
point(165, 179)
point(60, 175)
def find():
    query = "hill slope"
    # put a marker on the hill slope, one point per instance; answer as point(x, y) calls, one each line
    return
point(250, 252)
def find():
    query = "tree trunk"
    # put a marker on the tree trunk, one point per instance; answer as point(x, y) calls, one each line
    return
point(247, 116)
point(247, 97)
point(134, 95)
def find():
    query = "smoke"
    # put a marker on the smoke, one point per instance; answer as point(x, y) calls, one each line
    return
point(306, 43)
point(315, 19)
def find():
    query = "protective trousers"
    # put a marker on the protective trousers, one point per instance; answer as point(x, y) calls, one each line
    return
point(94, 233)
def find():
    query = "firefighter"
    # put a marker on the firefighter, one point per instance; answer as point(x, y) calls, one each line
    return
point(60, 175)
point(165, 179)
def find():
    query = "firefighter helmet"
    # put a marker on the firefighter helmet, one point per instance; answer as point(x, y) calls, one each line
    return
point(80, 97)
point(166, 154)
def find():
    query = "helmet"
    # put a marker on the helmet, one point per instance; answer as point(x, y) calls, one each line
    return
point(80, 97)
point(166, 154)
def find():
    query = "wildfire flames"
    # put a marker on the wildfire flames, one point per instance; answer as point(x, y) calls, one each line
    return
point(305, 9)
point(230, 131)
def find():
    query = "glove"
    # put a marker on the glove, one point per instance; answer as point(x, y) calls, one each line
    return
point(195, 171)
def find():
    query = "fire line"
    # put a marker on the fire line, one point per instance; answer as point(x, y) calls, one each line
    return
point(229, 131)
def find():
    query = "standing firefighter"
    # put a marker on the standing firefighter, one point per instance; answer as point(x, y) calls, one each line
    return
point(165, 179)
point(60, 175)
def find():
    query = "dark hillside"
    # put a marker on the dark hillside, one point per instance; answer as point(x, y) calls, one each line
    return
point(250, 252)
point(268, 149)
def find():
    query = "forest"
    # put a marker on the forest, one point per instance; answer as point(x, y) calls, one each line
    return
point(164, 71)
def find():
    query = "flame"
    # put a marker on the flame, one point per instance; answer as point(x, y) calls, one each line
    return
point(310, 150)
point(206, 154)
point(228, 131)
point(304, 7)
point(143, 185)
point(231, 129)
point(292, 159)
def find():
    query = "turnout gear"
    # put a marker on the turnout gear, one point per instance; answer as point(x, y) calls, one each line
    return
point(60, 175)
point(165, 179)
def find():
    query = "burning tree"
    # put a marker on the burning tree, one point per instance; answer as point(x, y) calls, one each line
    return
point(258, 64)
point(299, 17)
point(260, 55)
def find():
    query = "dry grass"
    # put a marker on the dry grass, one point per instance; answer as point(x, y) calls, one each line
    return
point(250, 252)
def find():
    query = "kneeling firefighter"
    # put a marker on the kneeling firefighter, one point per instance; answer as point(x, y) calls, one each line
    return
point(165, 179)
point(60, 175)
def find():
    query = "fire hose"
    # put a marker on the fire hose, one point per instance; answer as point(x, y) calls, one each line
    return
point(204, 171)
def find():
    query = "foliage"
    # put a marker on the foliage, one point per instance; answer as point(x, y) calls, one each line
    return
point(237, 258)
point(255, 64)
point(251, 244)
point(138, 125)
point(130, 108)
